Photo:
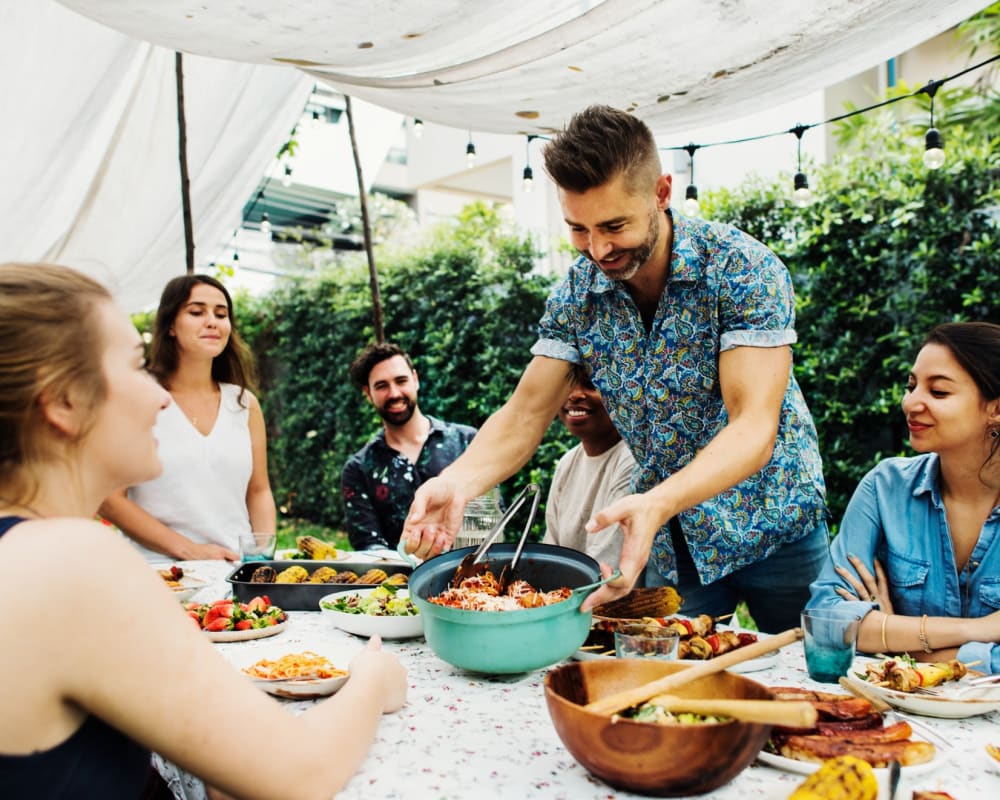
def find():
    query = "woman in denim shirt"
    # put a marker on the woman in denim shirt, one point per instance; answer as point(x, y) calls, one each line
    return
point(920, 541)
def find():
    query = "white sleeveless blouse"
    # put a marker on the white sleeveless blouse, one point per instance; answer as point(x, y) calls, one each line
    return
point(202, 492)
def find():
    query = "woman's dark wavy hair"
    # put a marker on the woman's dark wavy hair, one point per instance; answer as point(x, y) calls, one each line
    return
point(976, 347)
point(234, 365)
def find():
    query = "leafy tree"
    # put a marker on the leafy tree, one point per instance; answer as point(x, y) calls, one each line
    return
point(888, 250)
point(465, 304)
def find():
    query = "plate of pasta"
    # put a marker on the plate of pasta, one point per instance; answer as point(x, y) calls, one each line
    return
point(298, 676)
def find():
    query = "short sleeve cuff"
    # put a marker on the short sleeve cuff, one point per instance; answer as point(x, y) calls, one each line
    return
point(552, 348)
point(756, 338)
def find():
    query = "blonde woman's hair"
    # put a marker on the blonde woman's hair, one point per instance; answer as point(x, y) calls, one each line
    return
point(49, 345)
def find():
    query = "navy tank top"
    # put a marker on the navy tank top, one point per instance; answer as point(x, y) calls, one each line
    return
point(95, 761)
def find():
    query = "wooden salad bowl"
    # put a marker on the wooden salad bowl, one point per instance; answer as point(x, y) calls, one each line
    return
point(664, 760)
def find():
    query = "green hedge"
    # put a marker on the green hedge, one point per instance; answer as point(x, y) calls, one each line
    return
point(888, 250)
point(465, 306)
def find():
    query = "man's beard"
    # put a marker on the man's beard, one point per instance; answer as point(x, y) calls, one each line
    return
point(640, 254)
point(401, 417)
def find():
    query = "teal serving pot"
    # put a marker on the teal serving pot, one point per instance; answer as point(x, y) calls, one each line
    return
point(509, 641)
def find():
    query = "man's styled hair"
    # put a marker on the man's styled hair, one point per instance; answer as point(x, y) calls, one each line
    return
point(599, 144)
point(373, 354)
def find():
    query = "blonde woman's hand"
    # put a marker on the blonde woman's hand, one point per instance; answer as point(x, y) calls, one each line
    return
point(373, 660)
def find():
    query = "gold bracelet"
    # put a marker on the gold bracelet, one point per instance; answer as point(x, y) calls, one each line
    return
point(885, 646)
point(923, 635)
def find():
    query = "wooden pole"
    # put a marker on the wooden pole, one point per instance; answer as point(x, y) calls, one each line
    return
point(366, 224)
point(182, 154)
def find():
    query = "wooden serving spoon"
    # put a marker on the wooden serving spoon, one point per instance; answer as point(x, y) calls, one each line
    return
point(640, 694)
point(787, 713)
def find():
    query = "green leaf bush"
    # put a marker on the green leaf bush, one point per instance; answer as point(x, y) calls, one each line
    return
point(465, 305)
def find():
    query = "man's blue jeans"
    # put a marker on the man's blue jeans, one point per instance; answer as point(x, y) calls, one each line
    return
point(775, 589)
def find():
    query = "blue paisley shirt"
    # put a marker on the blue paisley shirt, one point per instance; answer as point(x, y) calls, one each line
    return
point(897, 516)
point(661, 388)
point(378, 482)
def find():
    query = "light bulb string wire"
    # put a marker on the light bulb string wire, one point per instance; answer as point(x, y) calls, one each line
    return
point(930, 89)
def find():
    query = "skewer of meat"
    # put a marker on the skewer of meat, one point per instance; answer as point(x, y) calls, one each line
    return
point(903, 677)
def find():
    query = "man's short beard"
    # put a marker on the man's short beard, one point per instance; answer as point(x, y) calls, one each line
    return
point(640, 255)
point(398, 418)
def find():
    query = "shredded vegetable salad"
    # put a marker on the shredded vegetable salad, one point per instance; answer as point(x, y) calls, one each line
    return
point(382, 602)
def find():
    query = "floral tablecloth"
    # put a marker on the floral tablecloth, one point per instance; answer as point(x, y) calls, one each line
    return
point(463, 735)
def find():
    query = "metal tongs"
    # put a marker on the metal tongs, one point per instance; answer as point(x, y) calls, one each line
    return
point(475, 563)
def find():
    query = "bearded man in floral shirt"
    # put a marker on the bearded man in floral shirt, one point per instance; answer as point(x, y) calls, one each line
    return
point(378, 482)
point(685, 327)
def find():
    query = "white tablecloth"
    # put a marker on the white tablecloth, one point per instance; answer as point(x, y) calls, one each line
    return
point(463, 735)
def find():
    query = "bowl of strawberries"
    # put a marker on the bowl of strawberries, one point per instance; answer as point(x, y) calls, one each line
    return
point(230, 620)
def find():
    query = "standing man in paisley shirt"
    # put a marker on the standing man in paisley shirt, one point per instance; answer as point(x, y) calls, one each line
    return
point(685, 327)
point(378, 482)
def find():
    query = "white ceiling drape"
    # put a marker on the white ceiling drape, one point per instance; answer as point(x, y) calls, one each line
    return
point(525, 66)
point(88, 130)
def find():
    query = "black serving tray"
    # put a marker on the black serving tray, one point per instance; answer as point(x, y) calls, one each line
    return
point(303, 596)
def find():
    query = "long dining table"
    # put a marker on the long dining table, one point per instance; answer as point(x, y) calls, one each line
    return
point(466, 735)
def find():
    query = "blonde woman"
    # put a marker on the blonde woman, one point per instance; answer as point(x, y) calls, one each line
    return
point(213, 445)
point(101, 665)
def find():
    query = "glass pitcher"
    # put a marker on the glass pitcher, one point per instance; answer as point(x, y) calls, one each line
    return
point(481, 514)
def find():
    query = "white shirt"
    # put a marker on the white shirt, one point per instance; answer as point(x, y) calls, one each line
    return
point(581, 486)
point(202, 492)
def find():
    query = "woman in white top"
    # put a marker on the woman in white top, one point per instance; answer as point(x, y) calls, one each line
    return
point(213, 445)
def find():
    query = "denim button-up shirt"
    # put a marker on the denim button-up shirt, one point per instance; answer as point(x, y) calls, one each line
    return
point(661, 387)
point(897, 515)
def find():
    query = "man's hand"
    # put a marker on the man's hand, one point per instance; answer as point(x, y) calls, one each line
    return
point(639, 519)
point(435, 517)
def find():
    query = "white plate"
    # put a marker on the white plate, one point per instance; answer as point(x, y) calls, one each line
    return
point(929, 706)
point(301, 689)
point(809, 767)
point(243, 636)
point(992, 765)
point(369, 625)
point(190, 585)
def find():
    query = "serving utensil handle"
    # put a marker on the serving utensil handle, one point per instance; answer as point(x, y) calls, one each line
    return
point(865, 694)
point(640, 694)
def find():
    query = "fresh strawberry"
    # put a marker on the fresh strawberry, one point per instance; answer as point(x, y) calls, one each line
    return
point(257, 604)
point(244, 625)
point(218, 612)
point(220, 624)
point(195, 616)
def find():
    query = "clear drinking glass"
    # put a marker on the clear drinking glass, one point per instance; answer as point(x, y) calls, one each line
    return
point(481, 514)
point(646, 641)
point(257, 546)
point(831, 635)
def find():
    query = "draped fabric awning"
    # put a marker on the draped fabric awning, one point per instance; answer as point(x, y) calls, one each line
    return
point(88, 140)
point(526, 66)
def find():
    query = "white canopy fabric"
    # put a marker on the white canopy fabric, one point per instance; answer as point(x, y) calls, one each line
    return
point(88, 121)
point(524, 66)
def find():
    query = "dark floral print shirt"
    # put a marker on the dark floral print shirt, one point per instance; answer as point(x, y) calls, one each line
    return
point(378, 482)
point(661, 387)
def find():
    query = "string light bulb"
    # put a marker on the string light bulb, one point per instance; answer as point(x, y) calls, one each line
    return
point(418, 128)
point(528, 176)
point(801, 194)
point(691, 205)
point(265, 224)
point(470, 153)
point(933, 144)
